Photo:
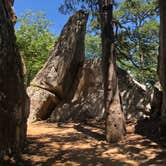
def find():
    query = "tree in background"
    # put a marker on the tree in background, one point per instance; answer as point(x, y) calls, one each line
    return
point(136, 24)
point(34, 41)
point(115, 120)
point(93, 46)
point(137, 38)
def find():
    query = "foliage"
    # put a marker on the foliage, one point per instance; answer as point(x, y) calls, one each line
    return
point(138, 39)
point(93, 46)
point(34, 40)
point(136, 34)
point(72, 5)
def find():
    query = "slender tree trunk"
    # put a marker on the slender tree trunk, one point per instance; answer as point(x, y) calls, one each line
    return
point(162, 57)
point(115, 121)
point(13, 103)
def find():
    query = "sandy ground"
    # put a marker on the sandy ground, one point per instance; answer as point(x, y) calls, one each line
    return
point(83, 144)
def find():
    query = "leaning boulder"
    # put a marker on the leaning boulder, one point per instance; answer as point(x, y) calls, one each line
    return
point(14, 103)
point(60, 71)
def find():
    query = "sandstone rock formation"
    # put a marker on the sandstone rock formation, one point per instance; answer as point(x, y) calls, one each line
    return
point(42, 102)
point(55, 82)
point(156, 102)
point(88, 99)
point(14, 103)
point(89, 96)
point(134, 96)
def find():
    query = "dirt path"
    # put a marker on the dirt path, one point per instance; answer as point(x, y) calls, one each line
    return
point(76, 144)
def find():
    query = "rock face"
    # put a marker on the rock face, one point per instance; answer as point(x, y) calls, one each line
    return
point(88, 99)
point(42, 101)
point(89, 96)
point(56, 80)
point(156, 103)
point(134, 96)
point(14, 103)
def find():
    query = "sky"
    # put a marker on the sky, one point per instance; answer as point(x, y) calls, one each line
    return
point(50, 7)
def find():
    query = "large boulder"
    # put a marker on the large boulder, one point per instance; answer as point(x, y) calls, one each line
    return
point(59, 73)
point(135, 102)
point(14, 103)
point(88, 99)
point(89, 96)
point(42, 103)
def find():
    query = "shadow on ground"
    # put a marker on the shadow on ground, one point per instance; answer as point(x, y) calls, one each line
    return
point(78, 144)
point(151, 128)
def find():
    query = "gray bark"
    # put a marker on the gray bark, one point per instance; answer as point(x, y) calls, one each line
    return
point(115, 121)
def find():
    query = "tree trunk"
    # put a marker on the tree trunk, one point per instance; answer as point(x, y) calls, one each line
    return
point(115, 121)
point(162, 57)
point(13, 99)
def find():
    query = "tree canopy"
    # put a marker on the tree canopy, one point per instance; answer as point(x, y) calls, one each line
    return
point(137, 38)
point(34, 40)
point(136, 28)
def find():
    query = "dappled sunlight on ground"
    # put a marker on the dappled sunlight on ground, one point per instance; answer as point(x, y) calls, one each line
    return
point(84, 144)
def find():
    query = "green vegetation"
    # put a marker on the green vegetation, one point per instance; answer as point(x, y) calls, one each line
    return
point(136, 34)
point(35, 41)
point(137, 40)
point(93, 46)
point(136, 37)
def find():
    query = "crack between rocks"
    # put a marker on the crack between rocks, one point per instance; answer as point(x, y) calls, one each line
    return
point(54, 92)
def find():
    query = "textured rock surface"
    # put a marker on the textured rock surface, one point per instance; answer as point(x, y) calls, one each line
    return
point(88, 99)
point(14, 103)
point(134, 96)
point(156, 103)
point(42, 103)
point(60, 71)
point(89, 96)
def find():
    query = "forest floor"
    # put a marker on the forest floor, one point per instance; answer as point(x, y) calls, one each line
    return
point(51, 144)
